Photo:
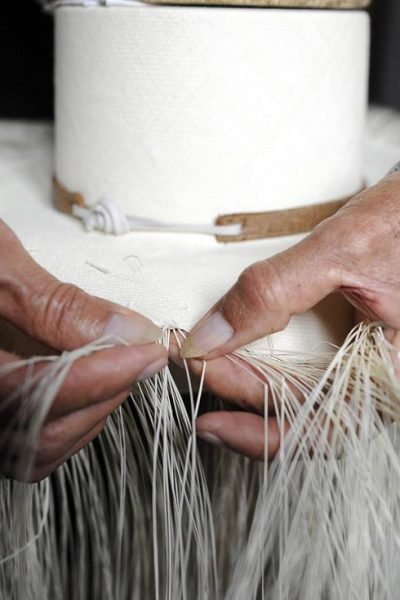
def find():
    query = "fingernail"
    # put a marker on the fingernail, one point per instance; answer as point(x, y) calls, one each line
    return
point(154, 368)
point(132, 329)
point(210, 334)
point(211, 438)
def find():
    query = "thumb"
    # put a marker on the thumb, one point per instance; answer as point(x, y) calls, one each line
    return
point(57, 314)
point(264, 298)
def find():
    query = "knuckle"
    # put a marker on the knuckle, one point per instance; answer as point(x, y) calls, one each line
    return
point(335, 246)
point(261, 289)
point(58, 308)
point(354, 242)
point(356, 233)
point(252, 286)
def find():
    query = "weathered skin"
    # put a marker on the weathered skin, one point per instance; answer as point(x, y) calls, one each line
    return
point(62, 317)
point(355, 252)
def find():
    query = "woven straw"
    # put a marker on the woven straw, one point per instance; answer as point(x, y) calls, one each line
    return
point(349, 4)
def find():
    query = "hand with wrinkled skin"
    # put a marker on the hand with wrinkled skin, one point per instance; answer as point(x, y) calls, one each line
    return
point(356, 252)
point(62, 317)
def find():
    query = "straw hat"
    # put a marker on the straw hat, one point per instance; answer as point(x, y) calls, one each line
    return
point(199, 120)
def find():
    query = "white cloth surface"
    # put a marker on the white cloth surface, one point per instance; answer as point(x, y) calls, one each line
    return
point(184, 113)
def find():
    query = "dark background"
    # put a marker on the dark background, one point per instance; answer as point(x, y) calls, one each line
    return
point(26, 58)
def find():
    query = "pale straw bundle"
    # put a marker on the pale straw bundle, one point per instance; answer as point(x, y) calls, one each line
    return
point(142, 513)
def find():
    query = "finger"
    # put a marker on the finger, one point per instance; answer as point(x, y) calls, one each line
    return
point(236, 381)
point(244, 433)
point(106, 374)
point(229, 378)
point(354, 251)
point(264, 298)
point(58, 314)
point(60, 436)
point(41, 472)
point(91, 380)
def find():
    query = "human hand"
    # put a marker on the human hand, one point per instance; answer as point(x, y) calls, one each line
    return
point(355, 252)
point(63, 317)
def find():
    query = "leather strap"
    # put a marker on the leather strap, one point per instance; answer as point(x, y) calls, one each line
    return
point(64, 200)
point(279, 223)
point(255, 226)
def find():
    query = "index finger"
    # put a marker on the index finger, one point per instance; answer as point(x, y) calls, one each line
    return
point(90, 380)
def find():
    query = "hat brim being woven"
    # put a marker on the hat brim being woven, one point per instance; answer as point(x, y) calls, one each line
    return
point(171, 278)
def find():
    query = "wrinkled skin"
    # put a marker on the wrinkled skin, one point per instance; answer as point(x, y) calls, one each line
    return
point(356, 252)
point(62, 317)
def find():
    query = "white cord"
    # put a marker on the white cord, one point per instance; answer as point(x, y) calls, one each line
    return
point(106, 216)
